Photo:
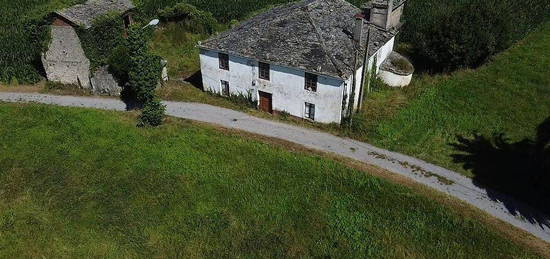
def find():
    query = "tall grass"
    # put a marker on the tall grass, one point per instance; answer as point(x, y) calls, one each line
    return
point(509, 95)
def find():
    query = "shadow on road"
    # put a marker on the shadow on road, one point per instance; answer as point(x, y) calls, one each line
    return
point(129, 97)
point(518, 169)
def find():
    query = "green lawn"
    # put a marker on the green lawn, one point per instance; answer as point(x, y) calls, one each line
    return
point(510, 95)
point(83, 183)
point(178, 46)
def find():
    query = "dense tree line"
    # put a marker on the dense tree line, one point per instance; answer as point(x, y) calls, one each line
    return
point(450, 34)
point(443, 34)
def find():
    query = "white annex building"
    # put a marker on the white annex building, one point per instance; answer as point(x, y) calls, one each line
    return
point(300, 58)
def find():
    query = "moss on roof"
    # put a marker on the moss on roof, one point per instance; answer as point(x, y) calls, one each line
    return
point(85, 14)
point(311, 35)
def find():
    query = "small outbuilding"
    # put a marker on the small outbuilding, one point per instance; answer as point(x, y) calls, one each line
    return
point(65, 60)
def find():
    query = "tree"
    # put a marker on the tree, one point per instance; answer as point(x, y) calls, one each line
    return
point(143, 76)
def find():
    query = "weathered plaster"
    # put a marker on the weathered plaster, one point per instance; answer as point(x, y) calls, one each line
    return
point(65, 61)
point(286, 85)
point(395, 80)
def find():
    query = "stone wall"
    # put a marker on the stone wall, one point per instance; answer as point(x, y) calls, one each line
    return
point(65, 61)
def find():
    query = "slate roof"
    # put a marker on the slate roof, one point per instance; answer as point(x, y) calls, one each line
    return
point(85, 14)
point(311, 35)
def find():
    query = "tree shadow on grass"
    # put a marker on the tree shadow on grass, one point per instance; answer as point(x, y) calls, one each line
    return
point(517, 169)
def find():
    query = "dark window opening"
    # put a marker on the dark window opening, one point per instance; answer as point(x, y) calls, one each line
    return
point(264, 71)
point(225, 88)
point(310, 111)
point(311, 82)
point(127, 21)
point(224, 61)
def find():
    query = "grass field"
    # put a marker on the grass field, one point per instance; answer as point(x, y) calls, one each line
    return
point(178, 46)
point(81, 183)
point(509, 95)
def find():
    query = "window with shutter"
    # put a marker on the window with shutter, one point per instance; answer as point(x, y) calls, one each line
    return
point(311, 82)
point(310, 111)
point(264, 71)
point(225, 88)
point(224, 61)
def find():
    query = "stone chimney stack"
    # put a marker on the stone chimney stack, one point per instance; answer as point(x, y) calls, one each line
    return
point(385, 14)
point(358, 28)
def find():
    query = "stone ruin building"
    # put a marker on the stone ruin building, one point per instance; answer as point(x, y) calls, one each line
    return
point(65, 61)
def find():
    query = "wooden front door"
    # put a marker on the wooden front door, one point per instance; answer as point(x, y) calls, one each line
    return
point(266, 102)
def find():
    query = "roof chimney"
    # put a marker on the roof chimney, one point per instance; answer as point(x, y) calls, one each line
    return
point(358, 28)
point(385, 14)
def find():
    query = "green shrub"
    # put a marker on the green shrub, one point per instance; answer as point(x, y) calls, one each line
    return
point(196, 20)
point(284, 115)
point(464, 33)
point(119, 64)
point(14, 81)
point(102, 39)
point(144, 68)
point(21, 46)
point(244, 100)
point(152, 114)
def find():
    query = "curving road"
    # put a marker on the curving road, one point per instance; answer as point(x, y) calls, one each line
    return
point(449, 182)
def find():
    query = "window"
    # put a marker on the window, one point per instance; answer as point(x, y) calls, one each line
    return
point(311, 82)
point(224, 61)
point(310, 111)
point(264, 71)
point(127, 21)
point(225, 88)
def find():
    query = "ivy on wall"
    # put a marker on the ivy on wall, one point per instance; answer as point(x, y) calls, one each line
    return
point(144, 75)
point(101, 40)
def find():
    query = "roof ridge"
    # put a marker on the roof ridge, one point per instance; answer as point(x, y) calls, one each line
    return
point(308, 35)
point(322, 40)
point(254, 20)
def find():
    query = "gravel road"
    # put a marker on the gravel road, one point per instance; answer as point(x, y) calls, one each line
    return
point(449, 182)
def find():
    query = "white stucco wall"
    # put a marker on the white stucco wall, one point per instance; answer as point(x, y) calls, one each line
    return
point(285, 84)
point(395, 80)
point(380, 56)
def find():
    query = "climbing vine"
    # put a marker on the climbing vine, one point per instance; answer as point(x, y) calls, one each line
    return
point(100, 41)
point(144, 75)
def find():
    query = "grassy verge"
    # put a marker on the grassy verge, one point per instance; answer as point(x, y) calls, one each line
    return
point(79, 182)
point(177, 45)
point(510, 95)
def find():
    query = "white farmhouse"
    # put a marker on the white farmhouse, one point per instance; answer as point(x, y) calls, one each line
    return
point(304, 58)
